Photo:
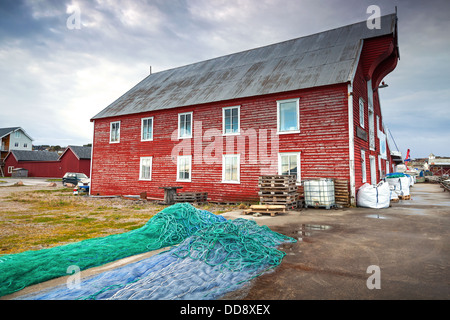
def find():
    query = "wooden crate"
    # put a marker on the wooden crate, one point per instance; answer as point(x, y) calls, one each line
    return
point(278, 190)
point(277, 182)
point(341, 192)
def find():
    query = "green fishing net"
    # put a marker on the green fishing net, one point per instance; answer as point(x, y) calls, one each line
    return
point(169, 227)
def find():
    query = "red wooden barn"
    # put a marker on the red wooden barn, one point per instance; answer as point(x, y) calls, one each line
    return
point(49, 164)
point(76, 159)
point(308, 106)
point(38, 163)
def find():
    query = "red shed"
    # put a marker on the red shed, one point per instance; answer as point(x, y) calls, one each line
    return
point(307, 106)
point(76, 159)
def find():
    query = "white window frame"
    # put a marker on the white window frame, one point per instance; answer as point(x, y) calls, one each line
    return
point(239, 121)
point(361, 112)
point(379, 165)
point(231, 156)
point(142, 129)
point(10, 169)
point(369, 93)
point(373, 170)
point(279, 103)
point(189, 157)
point(363, 166)
point(179, 125)
point(111, 131)
point(371, 116)
point(298, 155)
point(141, 171)
point(371, 129)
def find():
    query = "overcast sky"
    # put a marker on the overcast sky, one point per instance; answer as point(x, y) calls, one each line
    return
point(58, 71)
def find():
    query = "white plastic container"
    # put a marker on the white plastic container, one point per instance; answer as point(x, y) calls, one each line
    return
point(319, 193)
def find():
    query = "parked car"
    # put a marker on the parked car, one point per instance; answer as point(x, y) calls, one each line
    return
point(74, 178)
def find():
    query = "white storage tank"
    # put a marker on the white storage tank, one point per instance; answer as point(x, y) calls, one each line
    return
point(319, 193)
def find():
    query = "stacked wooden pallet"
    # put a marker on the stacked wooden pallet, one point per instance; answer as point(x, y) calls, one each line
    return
point(197, 197)
point(273, 210)
point(278, 190)
point(341, 192)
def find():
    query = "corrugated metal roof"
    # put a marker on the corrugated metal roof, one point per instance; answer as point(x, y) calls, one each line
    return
point(321, 59)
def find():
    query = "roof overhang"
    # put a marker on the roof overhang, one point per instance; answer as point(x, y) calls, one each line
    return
point(397, 157)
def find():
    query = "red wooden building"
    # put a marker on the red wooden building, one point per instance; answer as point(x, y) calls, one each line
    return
point(76, 159)
point(49, 164)
point(38, 163)
point(308, 106)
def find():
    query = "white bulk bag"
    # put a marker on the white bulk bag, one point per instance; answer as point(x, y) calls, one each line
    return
point(394, 195)
point(371, 196)
point(412, 180)
point(404, 186)
point(400, 185)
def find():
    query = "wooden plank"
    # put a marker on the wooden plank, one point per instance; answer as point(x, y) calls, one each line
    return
point(265, 206)
point(273, 210)
point(277, 194)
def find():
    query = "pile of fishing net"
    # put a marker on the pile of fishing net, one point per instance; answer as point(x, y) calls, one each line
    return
point(168, 227)
point(211, 256)
point(215, 260)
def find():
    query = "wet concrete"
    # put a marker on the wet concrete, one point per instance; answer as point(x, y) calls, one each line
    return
point(409, 242)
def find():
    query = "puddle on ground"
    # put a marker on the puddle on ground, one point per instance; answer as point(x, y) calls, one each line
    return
point(306, 230)
point(376, 216)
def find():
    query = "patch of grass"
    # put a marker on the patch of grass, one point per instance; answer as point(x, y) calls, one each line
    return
point(85, 220)
point(38, 219)
point(43, 219)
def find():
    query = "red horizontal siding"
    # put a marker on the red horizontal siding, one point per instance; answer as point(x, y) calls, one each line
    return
point(322, 141)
